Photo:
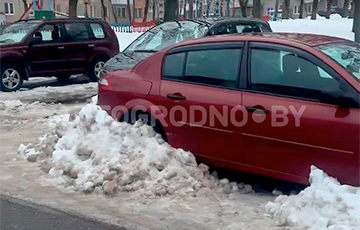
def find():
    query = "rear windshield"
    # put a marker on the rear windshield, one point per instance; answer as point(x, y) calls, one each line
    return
point(16, 32)
point(346, 54)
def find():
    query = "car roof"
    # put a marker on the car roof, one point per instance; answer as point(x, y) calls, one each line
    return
point(59, 20)
point(237, 20)
point(304, 39)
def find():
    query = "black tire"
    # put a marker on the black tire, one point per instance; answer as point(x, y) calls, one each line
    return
point(131, 118)
point(93, 64)
point(11, 77)
point(63, 77)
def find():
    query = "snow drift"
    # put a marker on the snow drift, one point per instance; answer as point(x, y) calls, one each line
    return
point(324, 205)
point(93, 152)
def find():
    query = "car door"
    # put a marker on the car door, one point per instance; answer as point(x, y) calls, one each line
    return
point(77, 46)
point(289, 128)
point(200, 92)
point(46, 56)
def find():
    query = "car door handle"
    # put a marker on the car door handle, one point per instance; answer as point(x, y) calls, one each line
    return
point(61, 47)
point(176, 96)
point(91, 45)
point(253, 109)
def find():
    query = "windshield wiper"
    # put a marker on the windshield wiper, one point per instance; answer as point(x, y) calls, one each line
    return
point(146, 51)
point(126, 55)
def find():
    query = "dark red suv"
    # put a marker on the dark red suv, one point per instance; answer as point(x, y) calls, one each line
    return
point(54, 47)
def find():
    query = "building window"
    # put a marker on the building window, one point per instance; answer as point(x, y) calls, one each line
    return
point(138, 13)
point(9, 8)
point(296, 9)
point(121, 12)
point(309, 8)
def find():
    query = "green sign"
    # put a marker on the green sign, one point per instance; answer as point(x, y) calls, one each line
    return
point(43, 14)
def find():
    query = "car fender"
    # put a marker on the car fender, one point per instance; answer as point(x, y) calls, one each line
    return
point(148, 107)
point(99, 52)
point(15, 57)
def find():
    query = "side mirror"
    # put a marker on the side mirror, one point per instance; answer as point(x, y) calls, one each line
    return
point(337, 98)
point(35, 40)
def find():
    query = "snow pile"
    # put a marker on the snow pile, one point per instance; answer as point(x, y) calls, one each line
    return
point(126, 39)
point(10, 104)
point(335, 26)
point(325, 204)
point(94, 152)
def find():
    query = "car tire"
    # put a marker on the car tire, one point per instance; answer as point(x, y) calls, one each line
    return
point(11, 77)
point(64, 77)
point(95, 67)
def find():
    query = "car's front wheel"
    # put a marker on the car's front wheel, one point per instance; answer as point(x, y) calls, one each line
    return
point(12, 78)
point(95, 68)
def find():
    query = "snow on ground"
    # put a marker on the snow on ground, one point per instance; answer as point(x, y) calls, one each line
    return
point(335, 26)
point(324, 205)
point(126, 38)
point(95, 152)
point(74, 92)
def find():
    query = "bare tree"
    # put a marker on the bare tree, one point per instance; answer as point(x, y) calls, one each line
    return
point(346, 8)
point(356, 24)
point(314, 9)
point(154, 10)
point(191, 9)
point(103, 11)
point(301, 9)
point(328, 8)
point(286, 9)
point(146, 11)
point(276, 9)
point(113, 10)
point(129, 10)
point(243, 6)
point(73, 8)
point(170, 10)
point(134, 9)
point(257, 9)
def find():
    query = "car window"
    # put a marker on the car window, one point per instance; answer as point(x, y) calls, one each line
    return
point(49, 33)
point(76, 31)
point(97, 30)
point(211, 67)
point(288, 74)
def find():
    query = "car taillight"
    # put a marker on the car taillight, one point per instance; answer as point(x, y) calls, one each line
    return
point(105, 84)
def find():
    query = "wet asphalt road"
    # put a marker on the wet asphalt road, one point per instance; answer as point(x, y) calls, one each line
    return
point(21, 215)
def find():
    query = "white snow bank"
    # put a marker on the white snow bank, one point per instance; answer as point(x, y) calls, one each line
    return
point(52, 93)
point(126, 38)
point(10, 104)
point(324, 205)
point(335, 26)
point(94, 152)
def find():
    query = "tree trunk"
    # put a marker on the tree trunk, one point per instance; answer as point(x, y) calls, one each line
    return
point(73, 8)
point(129, 10)
point(328, 8)
point(103, 7)
point(170, 10)
point(147, 5)
point(243, 6)
point(154, 10)
point(276, 9)
point(191, 9)
point(257, 8)
point(133, 10)
point(286, 9)
point(113, 9)
point(301, 9)
point(356, 25)
point(314, 9)
point(346, 8)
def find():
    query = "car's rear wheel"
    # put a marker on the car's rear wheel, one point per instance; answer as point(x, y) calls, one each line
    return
point(95, 68)
point(12, 78)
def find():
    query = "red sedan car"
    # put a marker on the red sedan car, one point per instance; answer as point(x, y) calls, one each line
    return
point(268, 104)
